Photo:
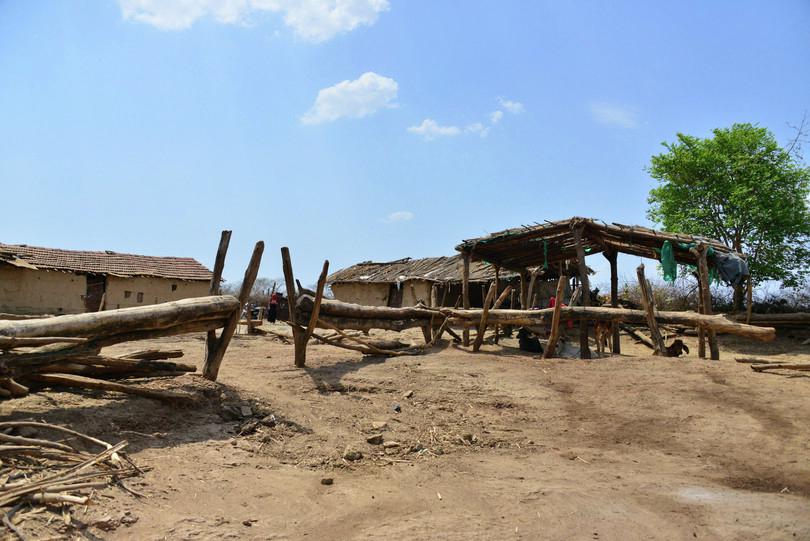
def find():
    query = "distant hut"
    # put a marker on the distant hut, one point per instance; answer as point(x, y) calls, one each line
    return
point(35, 280)
point(435, 281)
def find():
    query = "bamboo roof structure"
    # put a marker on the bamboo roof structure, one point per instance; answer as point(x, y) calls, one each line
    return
point(552, 242)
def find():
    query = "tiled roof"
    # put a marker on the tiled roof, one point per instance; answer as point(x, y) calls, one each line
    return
point(107, 262)
point(439, 269)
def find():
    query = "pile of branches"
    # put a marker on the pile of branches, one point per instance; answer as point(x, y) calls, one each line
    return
point(38, 473)
point(66, 350)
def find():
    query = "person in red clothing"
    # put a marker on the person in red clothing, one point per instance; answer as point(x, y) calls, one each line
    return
point(272, 308)
point(553, 302)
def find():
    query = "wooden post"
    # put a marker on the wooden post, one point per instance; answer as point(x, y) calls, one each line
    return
point(524, 290)
point(750, 307)
point(465, 294)
point(215, 355)
point(482, 327)
point(612, 256)
point(648, 302)
point(497, 285)
point(216, 278)
point(551, 345)
point(530, 293)
point(299, 334)
point(316, 305)
point(701, 334)
point(703, 269)
point(584, 350)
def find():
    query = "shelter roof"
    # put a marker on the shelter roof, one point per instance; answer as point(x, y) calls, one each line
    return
point(437, 269)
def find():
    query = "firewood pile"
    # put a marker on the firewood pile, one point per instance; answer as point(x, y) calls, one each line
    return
point(46, 467)
point(67, 350)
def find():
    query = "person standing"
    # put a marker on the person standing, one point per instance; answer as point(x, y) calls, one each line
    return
point(272, 308)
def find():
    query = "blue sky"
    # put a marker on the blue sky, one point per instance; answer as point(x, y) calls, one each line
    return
point(365, 129)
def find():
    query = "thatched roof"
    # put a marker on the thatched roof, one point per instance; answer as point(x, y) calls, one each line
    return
point(109, 263)
point(435, 269)
point(551, 242)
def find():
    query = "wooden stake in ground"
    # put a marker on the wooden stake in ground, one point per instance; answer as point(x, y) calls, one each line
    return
point(497, 285)
point(299, 334)
point(611, 256)
point(703, 269)
point(465, 294)
point(584, 349)
point(648, 302)
point(215, 356)
point(551, 345)
point(482, 327)
point(701, 331)
point(750, 307)
point(214, 287)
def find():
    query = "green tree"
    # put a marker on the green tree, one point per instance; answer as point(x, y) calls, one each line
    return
point(742, 188)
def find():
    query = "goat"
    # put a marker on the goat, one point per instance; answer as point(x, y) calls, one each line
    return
point(528, 342)
point(676, 348)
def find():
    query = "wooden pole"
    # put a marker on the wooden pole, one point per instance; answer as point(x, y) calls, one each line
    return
point(530, 292)
point(497, 285)
point(584, 349)
point(299, 334)
point(612, 257)
point(703, 269)
point(316, 306)
point(465, 294)
point(701, 332)
point(482, 327)
point(551, 345)
point(648, 302)
point(524, 290)
point(214, 358)
point(750, 307)
point(214, 286)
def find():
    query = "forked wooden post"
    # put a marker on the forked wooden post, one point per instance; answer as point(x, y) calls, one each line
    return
point(298, 332)
point(316, 305)
point(584, 349)
point(482, 327)
point(648, 302)
point(213, 288)
point(215, 355)
point(703, 269)
point(551, 345)
point(465, 294)
point(611, 256)
point(701, 333)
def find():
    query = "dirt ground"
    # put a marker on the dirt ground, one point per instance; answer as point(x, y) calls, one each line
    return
point(495, 445)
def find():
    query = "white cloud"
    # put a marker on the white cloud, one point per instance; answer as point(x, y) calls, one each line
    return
point(311, 20)
point(614, 115)
point(399, 216)
point(477, 128)
point(353, 99)
point(430, 130)
point(495, 117)
point(514, 107)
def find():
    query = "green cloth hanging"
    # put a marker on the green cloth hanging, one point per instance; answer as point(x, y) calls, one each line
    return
point(668, 262)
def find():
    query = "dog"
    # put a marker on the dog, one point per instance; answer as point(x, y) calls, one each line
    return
point(528, 342)
point(604, 331)
point(676, 348)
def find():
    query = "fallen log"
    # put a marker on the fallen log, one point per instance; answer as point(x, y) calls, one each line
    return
point(142, 318)
point(776, 320)
point(638, 336)
point(81, 382)
point(11, 342)
point(780, 366)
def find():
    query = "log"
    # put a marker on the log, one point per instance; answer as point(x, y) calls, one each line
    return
point(16, 317)
point(497, 270)
point(316, 307)
point(551, 345)
point(798, 319)
point(750, 304)
point(11, 342)
point(214, 356)
point(335, 308)
point(292, 301)
point(612, 257)
point(638, 336)
point(482, 327)
point(648, 302)
point(214, 286)
point(67, 380)
point(780, 366)
point(703, 269)
point(465, 293)
point(584, 349)
point(111, 322)
point(152, 354)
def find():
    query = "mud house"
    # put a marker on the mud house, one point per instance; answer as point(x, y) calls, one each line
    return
point(436, 281)
point(36, 280)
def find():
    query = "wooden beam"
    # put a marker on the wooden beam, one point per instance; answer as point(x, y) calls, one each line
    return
point(648, 303)
point(482, 327)
point(612, 257)
point(214, 358)
point(465, 293)
point(703, 269)
point(551, 345)
point(584, 349)
point(214, 286)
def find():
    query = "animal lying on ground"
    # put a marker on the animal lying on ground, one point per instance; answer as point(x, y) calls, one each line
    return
point(676, 348)
point(528, 342)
